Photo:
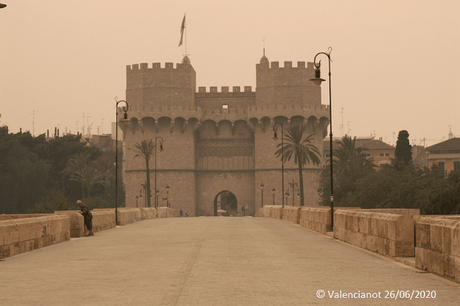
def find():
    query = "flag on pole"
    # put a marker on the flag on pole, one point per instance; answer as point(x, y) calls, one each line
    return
point(182, 28)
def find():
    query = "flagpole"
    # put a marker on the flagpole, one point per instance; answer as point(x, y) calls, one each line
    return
point(185, 29)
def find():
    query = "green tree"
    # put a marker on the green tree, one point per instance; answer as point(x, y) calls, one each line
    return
point(106, 167)
point(89, 173)
point(403, 153)
point(88, 176)
point(145, 150)
point(302, 149)
point(350, 165)
point(24, 177)
point(61, 150)
point(52, 202)
point(446, 199)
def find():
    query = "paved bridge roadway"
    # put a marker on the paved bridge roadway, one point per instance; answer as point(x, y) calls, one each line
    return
point(211, 261)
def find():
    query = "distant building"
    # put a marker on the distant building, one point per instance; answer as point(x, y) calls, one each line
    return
point(445, 154)
point(380, 152)
point(419, 157)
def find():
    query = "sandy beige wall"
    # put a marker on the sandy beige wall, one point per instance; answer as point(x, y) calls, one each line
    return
point(26, 234)
point(437, 247)
point(386, 234)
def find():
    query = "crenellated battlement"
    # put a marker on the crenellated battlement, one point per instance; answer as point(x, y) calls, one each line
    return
point(155, 66)
point(288, 84)
point(287, 65)
point(161, 85)
point(225, 89)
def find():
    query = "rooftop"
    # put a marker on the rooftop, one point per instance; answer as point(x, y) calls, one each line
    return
point(450, 144)
point(367, 143)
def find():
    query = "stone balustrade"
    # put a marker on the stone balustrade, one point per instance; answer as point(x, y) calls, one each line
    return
point(129, 215)
point(4, 217)
point(291, 214)
point(437, 245)
point(316, 218)
point(165, 212)
point(148, 213)
point(398, 211)
point(103, 219)
point(21, 235)
point(387, 234)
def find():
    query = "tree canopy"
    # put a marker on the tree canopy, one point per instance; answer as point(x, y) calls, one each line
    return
point(33, 170)
point(403, 153)
point(397, 185)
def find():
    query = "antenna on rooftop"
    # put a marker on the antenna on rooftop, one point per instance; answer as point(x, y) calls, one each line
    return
point(33, 122)
point(264, 44)
point(341, 126)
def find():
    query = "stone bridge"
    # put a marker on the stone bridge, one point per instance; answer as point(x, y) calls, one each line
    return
point(271, 260)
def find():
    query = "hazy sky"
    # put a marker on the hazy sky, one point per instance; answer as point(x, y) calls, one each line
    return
point(395, 63)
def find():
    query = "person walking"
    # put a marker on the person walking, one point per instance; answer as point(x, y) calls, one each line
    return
point(88, 217)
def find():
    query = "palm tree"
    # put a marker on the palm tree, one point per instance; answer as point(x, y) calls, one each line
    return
point(106, 168)
point(349, 157)
point(74, 165)
point(145, 150)
point(350, 165)
point(88, 176)
point(303, 150)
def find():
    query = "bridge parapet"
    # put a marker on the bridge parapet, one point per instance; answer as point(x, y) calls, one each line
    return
point(437, 246)
point(387, 234)
point(27, 234)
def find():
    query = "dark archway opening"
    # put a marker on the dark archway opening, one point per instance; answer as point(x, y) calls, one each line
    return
point(225, 203)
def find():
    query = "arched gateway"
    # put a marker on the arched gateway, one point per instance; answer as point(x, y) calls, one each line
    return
point(226, 203)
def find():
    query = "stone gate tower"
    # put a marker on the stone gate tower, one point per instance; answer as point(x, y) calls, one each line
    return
point(218, 145)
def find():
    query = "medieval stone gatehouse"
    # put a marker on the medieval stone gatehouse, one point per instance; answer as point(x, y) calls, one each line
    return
point(218, 146)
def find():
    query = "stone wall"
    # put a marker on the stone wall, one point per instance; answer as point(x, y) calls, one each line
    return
point(25, 234)
point(319, 218)
point(103, 219)
point(437, 247)
point(291, 214)
point(4, 217)
point(316, 218)
point(76, 223)
point(387, 234)
point(276, 211)
point(129, 215)
point(398, 211)
point(165, 212)
point(148, 213)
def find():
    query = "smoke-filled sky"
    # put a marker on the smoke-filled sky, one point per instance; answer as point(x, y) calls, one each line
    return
point(395, 63)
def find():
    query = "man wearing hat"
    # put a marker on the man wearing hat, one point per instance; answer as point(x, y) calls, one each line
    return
point(88, 217)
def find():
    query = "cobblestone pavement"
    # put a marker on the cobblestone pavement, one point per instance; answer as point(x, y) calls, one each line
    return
point(212, 261)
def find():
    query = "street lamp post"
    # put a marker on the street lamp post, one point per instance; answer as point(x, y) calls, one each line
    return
point(124, 121)
point(275, 129)
point(273, 191)
point(293, 185)
point(161, 149)
point(157, 192)
point(167, 195)
point(317, 81)
point(262, 194)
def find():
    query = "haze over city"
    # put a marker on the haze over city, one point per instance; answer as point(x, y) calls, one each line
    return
point(395, 63)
